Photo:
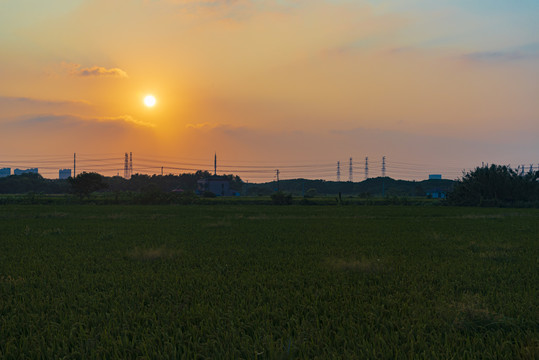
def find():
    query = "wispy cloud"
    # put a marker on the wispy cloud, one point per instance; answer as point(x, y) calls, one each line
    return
point(37, 101)
point(201, 126)
point(69, 119)
point(498, 56)
point(527, 52)
point(126, 119)
point(94, 71)
point(16, 106)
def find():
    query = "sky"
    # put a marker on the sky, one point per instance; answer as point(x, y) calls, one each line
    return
point(296, 85)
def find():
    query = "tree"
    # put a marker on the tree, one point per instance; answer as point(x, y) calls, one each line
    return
point(311, 193)
point(494, 186)
point(86, 183)
point(281, 198)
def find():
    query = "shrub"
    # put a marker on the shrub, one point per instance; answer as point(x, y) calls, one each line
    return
point(280, 198)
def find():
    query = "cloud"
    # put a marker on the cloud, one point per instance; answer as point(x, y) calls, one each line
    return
point(68, 119)
point(36, 101)
point(202, 126)
point(125, 118)
point(15, 107)
point(95, 71)
point(527, 52)
point(501, 56)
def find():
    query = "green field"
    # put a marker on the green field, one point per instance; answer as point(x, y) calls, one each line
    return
point(268, 282)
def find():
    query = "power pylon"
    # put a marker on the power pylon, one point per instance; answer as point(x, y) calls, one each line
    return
point(130, 164)
point(126, 166)
point(366, 168)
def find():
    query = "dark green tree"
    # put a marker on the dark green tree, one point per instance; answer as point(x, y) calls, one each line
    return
point(495, 186)
point(281, 198)
point(86, 183)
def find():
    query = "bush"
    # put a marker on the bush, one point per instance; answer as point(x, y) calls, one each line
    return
point(311, 193)
point(280, 198)
point(208, 194)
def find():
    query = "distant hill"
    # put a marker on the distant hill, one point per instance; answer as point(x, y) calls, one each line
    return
point(18, 184)
point(371, 187)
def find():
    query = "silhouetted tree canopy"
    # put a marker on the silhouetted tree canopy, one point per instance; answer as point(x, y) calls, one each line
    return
point(86, 183)
point(496, 186)
point(31, 182)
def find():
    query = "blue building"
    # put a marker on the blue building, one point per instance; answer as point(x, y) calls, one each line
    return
point(436, 194)
point(219, 185)
point(435, 177)
point(5, 172)
point(64, 173)
point(26, 171)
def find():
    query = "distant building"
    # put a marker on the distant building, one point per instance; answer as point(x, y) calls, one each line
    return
point(219, 185)
point(5, 172)
point(436, 194)
point(26, 171)
point(435, 177)
point(64, 173)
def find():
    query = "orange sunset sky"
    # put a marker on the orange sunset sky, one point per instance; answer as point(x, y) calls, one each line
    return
point(435, 86)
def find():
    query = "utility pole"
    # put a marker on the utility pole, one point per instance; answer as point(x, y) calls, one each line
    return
point(338, 171)
point(277, 174)
point(215, 164)
point(161, 171)
point(74, 165)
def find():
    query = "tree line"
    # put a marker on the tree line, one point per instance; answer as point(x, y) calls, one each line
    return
point(496, 185)
point(31, 182)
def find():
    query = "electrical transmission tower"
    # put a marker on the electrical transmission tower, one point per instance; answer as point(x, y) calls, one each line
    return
point(277, 175)
point(126, 166)
point(383, 166)
point(338, 171)
point(130, 164)
point(366, 168)
point(350, 172)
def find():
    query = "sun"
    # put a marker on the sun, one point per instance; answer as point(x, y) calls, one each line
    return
point(149, 100)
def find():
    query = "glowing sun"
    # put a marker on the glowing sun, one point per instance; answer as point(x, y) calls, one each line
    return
point(149, 100)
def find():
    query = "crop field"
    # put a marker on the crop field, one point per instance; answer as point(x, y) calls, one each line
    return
point(268, 282)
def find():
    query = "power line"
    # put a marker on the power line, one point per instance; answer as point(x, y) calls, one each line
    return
point(106, 164)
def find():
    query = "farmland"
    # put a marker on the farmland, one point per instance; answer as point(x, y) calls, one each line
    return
point(262, 281)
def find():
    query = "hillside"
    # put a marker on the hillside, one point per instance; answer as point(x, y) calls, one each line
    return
point(370, 187)
point(19, 184)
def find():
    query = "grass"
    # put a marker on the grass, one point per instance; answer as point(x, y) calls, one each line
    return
point(268, 282)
